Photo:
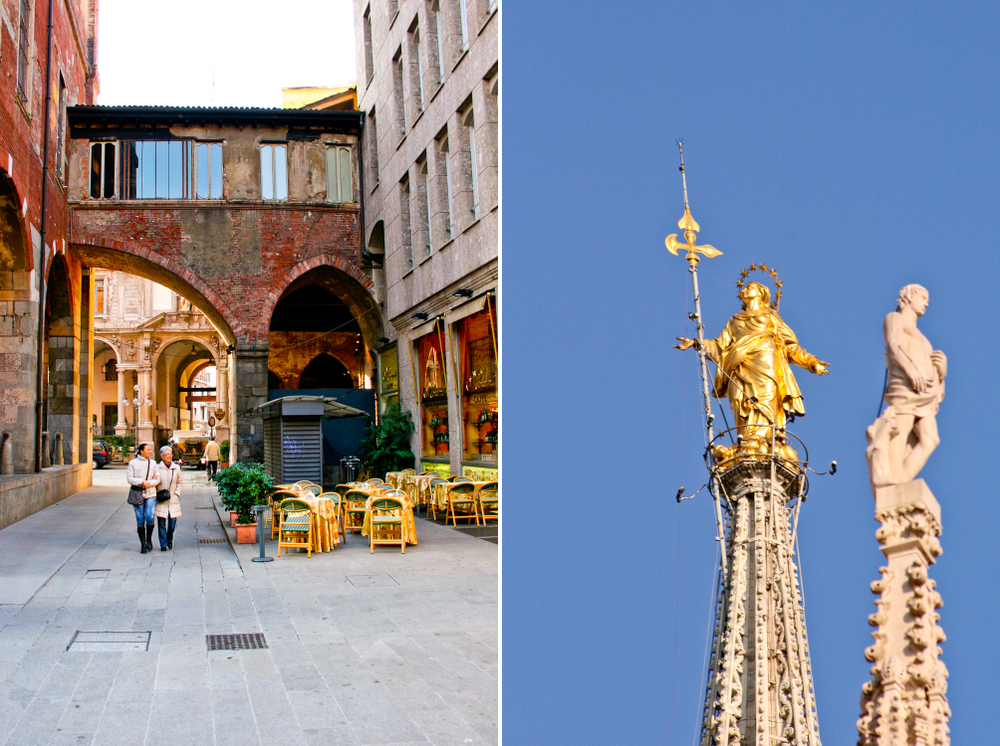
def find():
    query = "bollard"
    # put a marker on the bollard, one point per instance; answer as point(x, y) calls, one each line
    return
point(260, 510)
point(45, 449)
point(6, 455)
point(57, 449)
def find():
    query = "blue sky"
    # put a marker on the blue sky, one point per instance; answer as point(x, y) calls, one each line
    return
point(852, 146)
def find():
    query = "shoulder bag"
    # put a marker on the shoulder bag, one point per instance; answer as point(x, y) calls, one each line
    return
point(135, 497)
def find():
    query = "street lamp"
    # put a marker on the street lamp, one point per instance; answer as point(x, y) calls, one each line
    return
point(137, 402)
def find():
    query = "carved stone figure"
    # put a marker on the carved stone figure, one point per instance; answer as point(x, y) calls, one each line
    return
point(753, 354)
point(905, 435)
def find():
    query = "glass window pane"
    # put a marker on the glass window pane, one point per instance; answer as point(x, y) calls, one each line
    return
point(175, 183)
point(148, 161)
point(345, 175)
point(95, 170)
point(202, 168)
point(266, 172)
point(332, 183)
point(109, 169)
point(162, 161)
point(280, 173)
point(216, 172)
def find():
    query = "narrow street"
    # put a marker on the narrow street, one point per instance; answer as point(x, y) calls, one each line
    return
point(100, 644)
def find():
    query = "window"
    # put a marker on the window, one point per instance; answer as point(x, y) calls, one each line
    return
point(156, 169)
point(399, 93)
point(404, 221)
point(438, 41)
point(110, 372)
point(470, 131)
point(339, 182)
point(369, 64)
point(422, 234)
point(208, 169)
point(442, 189)
point(373, 147)
point(103, 165)
point(416, 69)
point(23, 50)
point(273, 173)
point(61, 129)
point(464, 18)
point(100, 307)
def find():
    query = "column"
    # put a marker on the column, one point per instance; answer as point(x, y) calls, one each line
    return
point(120, 427)
point(251, 391)
point(222, 427)
point(145, 413)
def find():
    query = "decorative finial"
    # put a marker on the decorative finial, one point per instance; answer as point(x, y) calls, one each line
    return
point(689, 226)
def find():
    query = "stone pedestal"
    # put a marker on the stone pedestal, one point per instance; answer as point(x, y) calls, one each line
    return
point(904, 704)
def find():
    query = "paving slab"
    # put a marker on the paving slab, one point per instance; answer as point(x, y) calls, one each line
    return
point(362, 648)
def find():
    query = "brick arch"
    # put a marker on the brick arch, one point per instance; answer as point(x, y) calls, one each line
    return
point(120, 255)
point(370, 316)
point(14, 251)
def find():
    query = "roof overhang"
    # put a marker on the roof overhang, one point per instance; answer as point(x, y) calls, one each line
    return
point(307, 406)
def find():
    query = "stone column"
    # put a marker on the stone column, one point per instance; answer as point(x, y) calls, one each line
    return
point(222, 398)
point(904, 704)
point(145, 414)
point(251, 391)
point(121, 428)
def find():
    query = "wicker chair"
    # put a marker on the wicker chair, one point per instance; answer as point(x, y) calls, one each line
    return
point(315, 489)
point(338, 511)
point(354, 510)
point(387, 523)
point(296, 526)
point(275, 502)
point(376, 480)
point(431, 507)
point(462, 496)
point(489, 501)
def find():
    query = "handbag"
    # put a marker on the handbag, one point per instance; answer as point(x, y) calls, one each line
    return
point(162, 496)
point(135, 497)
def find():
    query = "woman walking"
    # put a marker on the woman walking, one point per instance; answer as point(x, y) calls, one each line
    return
point(142, 472)
point(169, 510)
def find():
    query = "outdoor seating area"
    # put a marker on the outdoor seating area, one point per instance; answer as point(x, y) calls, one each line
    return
point(302, 516)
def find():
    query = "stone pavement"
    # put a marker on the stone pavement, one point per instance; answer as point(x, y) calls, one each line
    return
point(387, 648)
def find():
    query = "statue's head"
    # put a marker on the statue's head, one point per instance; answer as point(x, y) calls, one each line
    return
point(915, 296)
point(755, 290)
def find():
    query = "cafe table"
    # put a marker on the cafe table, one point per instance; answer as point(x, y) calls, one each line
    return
point(409, 525)
point(440, 493)
point(394, 477)
point(323, 514)
point(417, 486)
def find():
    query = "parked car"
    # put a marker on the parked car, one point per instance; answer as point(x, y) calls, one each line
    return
point(101, 454)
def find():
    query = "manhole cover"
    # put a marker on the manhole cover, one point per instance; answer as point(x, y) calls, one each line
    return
point(96, 573)
point(211, 541)
point(367, 581)
point(108, 642)
point(243, 641)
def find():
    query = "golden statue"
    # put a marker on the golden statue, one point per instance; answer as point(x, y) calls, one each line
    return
point(753, 355)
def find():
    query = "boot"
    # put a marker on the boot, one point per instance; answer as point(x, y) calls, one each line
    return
point(141, 530)
point(149, 538)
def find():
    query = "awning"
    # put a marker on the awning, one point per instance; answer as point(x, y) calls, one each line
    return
point(327, 406)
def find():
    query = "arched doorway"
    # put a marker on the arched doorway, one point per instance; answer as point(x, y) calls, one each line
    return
point(325, 372)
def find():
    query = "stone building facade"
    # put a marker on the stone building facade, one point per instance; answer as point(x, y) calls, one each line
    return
point(428, 81)
point(148, 336)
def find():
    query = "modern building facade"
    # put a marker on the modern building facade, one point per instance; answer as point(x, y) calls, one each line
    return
point(428, 82)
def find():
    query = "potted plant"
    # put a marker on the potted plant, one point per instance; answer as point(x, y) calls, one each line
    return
point(386, 445)
point(241, 486)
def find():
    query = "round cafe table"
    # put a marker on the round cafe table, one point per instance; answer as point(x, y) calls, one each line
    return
point(409, 525)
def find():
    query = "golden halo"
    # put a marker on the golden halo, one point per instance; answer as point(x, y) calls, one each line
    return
point(766, 270)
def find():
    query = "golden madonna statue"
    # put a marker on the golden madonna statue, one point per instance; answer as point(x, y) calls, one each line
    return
point(753, 355)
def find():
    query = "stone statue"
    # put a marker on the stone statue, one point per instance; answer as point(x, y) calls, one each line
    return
point(904, 436)
point(905, 702)
point(753, 355)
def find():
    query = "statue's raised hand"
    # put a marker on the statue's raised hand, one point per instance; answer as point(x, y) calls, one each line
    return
point(821, 368)
point(686, 343)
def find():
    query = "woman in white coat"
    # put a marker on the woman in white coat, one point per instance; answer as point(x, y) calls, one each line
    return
point(142, 472)
point(168, 511)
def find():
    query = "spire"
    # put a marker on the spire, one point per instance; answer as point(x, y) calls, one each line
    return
point(690, 227)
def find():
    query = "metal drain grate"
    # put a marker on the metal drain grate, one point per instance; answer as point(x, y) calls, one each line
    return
point(211, 541)
point(199, 508)
point(243, 641)
point(108, 642)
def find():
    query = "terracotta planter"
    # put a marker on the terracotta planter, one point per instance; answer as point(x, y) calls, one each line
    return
point(232, 519)
point(246, 533)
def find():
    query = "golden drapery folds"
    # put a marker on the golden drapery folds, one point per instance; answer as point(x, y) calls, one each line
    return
point(754, 354)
